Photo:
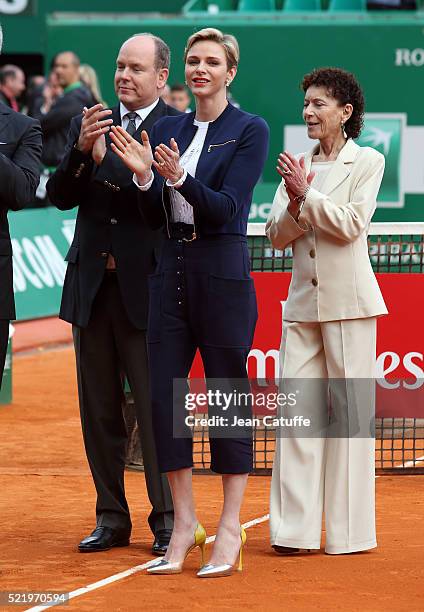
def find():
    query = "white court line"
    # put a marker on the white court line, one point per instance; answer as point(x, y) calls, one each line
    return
point(129, 572)
point(139, 568)
point(97, 585)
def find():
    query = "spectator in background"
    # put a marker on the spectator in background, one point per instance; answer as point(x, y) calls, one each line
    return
point(89, 77)
point(35, 86)
point(12, 85)
point(34, 92)
point(36, 81)
point(56, 113)
point(180, 98)
point(41, 99)
point(51, 92)
point(166, 95)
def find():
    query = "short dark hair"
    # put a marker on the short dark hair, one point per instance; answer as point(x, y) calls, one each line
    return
point(74, 57)
point(344, 87)
point(163, 52)
point(7, 74)
point(8, 71)
point(179, 87)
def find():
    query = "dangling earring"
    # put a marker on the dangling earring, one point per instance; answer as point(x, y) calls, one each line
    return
point(343, 129)
point(227, 82)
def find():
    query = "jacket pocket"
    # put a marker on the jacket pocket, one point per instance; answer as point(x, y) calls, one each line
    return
point(232, 312)
point(155, 307)
point(72, 254)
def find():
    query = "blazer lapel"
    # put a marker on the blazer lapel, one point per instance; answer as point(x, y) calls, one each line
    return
point(116, 115)
point(308, 158)
point(187, 131)
point(341, 168)
point(158, 112)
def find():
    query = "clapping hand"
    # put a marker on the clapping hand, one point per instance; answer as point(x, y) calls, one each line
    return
point(137, 156)
point(295, 179)
point(167, 161)
point(94, 124)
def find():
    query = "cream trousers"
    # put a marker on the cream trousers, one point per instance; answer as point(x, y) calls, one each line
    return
point(334, 475)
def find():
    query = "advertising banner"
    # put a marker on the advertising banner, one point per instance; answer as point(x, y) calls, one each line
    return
point(40, 240)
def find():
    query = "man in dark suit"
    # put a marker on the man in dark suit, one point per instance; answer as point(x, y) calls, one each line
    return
point(12, 85)
point(55, 114)
point(20, 152)
point(105, 293)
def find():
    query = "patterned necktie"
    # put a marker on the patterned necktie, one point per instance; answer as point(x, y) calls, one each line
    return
point(131, 127)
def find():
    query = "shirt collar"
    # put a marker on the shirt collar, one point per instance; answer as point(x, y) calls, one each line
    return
point(141, 112)
point(72, 86)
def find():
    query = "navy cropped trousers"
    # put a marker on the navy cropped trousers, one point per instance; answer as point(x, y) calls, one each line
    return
point(201, 297)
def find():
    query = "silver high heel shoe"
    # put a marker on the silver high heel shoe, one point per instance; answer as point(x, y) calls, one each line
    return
point(214, 571)
point(166, 567)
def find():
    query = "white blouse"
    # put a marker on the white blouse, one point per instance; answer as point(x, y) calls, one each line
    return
point(321, 170)
point(181, 210)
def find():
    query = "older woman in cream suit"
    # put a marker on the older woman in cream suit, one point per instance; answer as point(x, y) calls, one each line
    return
point(323, 208)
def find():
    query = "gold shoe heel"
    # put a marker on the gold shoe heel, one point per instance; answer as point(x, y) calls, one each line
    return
point(243, 537)
point(166, 567)
point(202, 547)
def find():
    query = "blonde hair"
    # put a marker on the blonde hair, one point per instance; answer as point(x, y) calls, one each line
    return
point(227, 41)
point(89, 77)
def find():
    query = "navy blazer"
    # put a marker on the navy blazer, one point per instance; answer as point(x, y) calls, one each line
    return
point(230, 165)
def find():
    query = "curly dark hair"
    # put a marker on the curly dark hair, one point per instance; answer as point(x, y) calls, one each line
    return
point(344, 87)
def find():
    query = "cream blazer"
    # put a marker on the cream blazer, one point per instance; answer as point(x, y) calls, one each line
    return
point(332, 277)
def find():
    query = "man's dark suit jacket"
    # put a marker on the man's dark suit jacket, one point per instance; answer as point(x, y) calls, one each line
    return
point(108, 221)
point(20, 151)
point(4, 99)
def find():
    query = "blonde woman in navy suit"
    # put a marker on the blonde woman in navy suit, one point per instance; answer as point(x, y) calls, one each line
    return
point(202, 296)
point(323, 207)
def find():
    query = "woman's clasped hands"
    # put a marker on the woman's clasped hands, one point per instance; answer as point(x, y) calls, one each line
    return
point(138, 156)
point(296, 181)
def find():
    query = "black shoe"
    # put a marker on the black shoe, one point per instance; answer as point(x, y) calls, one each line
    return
point(160, 545)
point(104, 538)
point(285, 550)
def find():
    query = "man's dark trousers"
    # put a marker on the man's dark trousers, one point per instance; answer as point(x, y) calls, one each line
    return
point(109, 347)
